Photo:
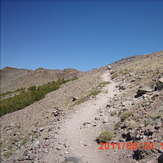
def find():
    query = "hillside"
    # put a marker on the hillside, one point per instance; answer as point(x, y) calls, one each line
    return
point(122, 106)
point(13, 78)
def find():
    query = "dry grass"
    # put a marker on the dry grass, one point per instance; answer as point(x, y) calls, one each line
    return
point(105, 136)
point(95, 91)
point(132, 124)
point(117, 125)
point(125, 115)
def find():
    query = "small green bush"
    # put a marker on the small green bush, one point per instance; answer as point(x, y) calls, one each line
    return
point(113, 113)
point(33, 88)
point(105, 137)
point(125, 115)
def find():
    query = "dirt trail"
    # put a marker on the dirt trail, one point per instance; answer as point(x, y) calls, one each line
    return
point(78, 132)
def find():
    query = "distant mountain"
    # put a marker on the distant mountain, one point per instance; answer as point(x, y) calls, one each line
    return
point(13, 78)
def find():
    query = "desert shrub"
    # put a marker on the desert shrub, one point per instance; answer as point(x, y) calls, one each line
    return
point(105, 137)
point(126, 71)
point(117, 125)
point(94, 92)
point(28, 97)
point(98, 88)
point(125, 115)
point(114, 75)
point(113, 113)
point(19, 90)
point(33, 88)
point(102, 84)
point(82, 99)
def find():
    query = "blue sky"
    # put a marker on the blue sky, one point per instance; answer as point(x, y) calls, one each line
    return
point(78, 34)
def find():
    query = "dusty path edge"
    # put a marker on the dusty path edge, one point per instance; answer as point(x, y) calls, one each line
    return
point(80, 142)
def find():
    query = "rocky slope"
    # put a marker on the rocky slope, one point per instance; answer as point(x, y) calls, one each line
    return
point(42, 132)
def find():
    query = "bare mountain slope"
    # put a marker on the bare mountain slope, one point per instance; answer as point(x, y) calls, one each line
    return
point(13, 78)
point(56, 129)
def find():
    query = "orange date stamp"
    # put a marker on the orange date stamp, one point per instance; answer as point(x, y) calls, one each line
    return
point(128, 146)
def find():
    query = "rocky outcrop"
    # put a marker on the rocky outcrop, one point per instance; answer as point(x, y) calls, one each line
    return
point(160, 158)
point(143, 90)
point(158, 85)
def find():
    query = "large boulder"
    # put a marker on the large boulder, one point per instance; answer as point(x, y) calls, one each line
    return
point(160, 158)
point(143, 90)
point(159, 84)
point(141, 153)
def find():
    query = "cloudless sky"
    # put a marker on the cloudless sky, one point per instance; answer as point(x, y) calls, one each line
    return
point(78, 34)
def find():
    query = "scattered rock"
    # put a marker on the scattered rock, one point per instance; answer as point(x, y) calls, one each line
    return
point(57, 111)
point(105, 119)
point(31, 156)
point(160, 158)
point(123, 126)
point(148, 132)
point(158, 125)
point(72, 159)
point(85, 125)
point(41, 129)
point(36, 145)
point(128, 136)
point(122, 87)
point(74, 98)
point(139, 154)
